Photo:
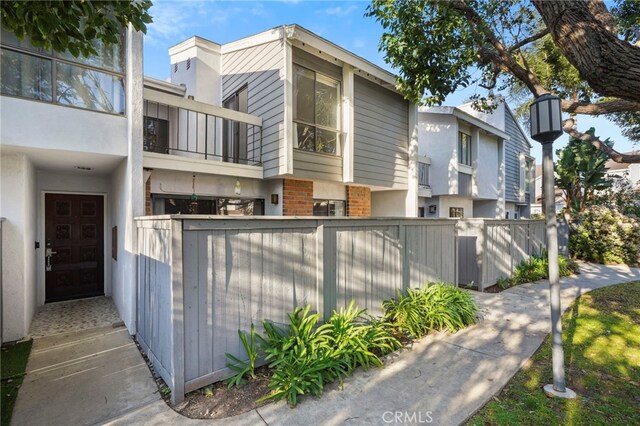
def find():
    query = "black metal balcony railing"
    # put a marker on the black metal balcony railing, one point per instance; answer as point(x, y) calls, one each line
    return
point(173, 129)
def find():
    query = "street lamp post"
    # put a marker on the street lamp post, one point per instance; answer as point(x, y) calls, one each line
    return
point(546, 127)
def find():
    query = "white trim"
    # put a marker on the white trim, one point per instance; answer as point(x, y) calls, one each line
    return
point(154, 160)
point(179, 102)
point(195, 41)
point(424, 159)
point(41, 280)
point(286, 144)
point(348, 130)
point(264, 37)
point(164, 86)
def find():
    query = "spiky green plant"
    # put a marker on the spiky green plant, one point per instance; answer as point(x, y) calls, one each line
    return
point(244, 368)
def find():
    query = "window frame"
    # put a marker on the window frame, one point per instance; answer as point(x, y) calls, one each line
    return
point(56, 58)
point(456, 212)
point(528, 175)
point(329, 202)
point(296, 121)
point(468, 151)
point(147, 147)
point(155, 198)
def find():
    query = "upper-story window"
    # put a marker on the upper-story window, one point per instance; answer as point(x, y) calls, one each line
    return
point(95, 83)
point(528, 175)
point(316, 111)
point(464, 148)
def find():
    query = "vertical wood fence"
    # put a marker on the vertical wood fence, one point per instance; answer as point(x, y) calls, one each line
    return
point(201, 279)
point(490, 249)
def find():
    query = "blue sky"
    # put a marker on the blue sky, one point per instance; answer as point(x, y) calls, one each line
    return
point(341, 22)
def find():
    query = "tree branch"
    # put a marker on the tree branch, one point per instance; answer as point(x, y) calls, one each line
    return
point(528, 40)
point(582, 31)
point(569, 128)
point(606, 107)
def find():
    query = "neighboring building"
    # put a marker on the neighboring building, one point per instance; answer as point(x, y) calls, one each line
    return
point(630, 171)
point(480, 163)
point(280, 123)
point(536, 205)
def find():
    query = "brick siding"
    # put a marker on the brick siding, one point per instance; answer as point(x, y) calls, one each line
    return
point(358, 201)
point(297, 197)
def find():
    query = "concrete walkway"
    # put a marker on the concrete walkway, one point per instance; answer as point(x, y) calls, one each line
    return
point(83, 378)
point(444, 378)
point(100, 378)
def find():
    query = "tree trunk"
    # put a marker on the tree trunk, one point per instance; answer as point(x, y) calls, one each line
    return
point(611, 66)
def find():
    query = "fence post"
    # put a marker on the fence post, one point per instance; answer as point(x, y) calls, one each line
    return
point(404, 263)
point(177, 313)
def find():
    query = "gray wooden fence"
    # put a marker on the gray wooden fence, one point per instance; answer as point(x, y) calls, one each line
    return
point(201, 279)
point(490, 249)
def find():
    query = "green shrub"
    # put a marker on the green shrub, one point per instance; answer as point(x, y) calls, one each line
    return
point(448, 307)
point(536, 268)
point(302, 359)
point(353, 339)
point(415, 312)
point(241, 367)
point(605, 236)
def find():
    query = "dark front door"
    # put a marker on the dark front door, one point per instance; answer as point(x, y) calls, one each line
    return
point(74, 246)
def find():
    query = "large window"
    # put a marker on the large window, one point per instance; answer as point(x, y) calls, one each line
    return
point(464, 148)
point(234, 147)
point(184, 204)
point(95, 83)
point(316, 111)
point(328, 208)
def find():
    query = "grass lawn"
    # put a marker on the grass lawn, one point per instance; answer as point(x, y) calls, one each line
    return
point(601, 333)
point(13, 363)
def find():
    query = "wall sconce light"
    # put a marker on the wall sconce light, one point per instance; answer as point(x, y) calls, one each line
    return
point(432, 209)
point(274, 199)
point(237, 189)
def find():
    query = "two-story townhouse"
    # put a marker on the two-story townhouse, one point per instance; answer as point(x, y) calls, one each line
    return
point(323, 132)
point(71, 167)
point(519, 165)
point(282, 123)
point(466, 171)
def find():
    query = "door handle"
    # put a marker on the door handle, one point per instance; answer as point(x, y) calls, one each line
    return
point(48, 253)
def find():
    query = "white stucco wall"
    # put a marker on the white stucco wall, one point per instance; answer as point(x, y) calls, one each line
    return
point(60, 127)
point(329, 191)
point(445, 202)
point(438, 139)
point(202, 79)
point(495, 118)
point(18, 207)
point(389, 204)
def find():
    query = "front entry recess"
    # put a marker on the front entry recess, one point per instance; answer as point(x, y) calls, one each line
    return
point(74, 246)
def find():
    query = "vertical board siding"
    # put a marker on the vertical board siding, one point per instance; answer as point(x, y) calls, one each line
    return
point(506, 244)
point(261, 69)
point(237, 272)
point(381, 123)
point(154, 329)
point(234, 278)
point(516, 144)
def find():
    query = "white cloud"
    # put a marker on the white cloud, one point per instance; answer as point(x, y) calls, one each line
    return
point(169, 22)
point(359, 43)
point(339, 10)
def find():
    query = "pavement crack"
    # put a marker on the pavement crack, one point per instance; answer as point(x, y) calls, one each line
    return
point(469, 349)
point(265, 422)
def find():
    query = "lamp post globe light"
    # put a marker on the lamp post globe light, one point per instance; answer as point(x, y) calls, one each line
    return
point(546, 127)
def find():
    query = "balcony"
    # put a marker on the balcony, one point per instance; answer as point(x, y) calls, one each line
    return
point(184, 134)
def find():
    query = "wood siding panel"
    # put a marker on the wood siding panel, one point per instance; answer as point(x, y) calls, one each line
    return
point(309, 165)
point(381, 120)
point(261, 68)
point(516, 144)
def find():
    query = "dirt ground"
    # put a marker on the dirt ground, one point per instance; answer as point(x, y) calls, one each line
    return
point(218, 401)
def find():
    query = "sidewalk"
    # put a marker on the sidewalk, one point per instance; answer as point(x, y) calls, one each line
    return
point(99, 376)
point(444, 377)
